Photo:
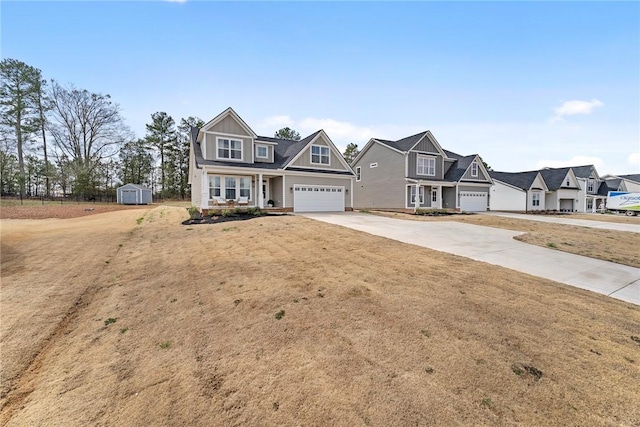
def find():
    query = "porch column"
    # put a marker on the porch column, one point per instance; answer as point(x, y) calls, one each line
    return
point(204, 202)
point(417, 200)
point(260, 194)
point(439, 192)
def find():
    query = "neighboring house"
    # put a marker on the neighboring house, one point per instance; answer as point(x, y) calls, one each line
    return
point(569, 189)
point(623, 182)
point(229, 164)
point(593, 189)
point(517, 191)
point(564, 190)
point(416, 173)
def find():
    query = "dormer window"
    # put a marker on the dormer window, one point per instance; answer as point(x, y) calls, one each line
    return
point(319, 155)
point(591, 185)
point(474, 169)
point(229, 149)
point(262, 152)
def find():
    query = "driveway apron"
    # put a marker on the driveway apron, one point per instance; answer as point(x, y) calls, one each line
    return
point(497, 246)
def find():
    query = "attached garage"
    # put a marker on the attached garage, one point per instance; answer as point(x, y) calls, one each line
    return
point(473, 201)
point(318, 198)
point(566, 205)
point(134, 194)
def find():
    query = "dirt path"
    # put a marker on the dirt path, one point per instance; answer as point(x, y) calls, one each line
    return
point(50, 270)
point(288, 321)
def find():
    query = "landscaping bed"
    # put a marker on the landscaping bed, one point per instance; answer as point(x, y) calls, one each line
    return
point(226, 216)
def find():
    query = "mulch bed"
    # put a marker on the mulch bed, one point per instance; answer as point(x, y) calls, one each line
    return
point(217, 219)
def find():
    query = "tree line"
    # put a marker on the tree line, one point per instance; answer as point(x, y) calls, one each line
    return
point(61, 141)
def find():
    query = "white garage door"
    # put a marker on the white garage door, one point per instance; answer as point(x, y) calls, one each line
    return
point(473, 201)
point(129, 197)
point(318, 198)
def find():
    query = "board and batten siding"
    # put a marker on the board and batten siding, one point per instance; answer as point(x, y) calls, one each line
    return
point(196, 187)
point(305, 158)
point(380, 187)
point(211, 147)
point(481, 176)
point(291, 180)
point(275, 191)
point(413, 166)
point(426, 145)
point(228, 125)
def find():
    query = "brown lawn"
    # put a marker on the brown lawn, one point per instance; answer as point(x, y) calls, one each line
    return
point(619, 218)
point(609, 245)
point(32, 210)
point(288, 321)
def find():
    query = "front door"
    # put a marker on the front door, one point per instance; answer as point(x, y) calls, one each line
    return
point(265, 191)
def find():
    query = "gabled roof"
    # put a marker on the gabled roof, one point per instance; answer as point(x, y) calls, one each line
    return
point(584, 171)
point(404, 144)
point(284, 151)
point(635, 177)
point(523, 180)
point(605, 187)
point(554, 177)
point(613, 183)
point(230, 112)
point(458, 169)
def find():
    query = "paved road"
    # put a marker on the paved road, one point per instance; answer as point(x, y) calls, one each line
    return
point(634, 228)
point(497, 246)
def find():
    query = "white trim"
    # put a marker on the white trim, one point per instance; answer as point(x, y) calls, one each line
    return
point(358, 173)
point(256, 145)
point(474, 168)
point(502, 183)
point(241, 159)
point(328, 155)
point(317, 168)
point(433, 140)
point(259, 141)
point(332, 147)
point(233, 135)
point(284, 192)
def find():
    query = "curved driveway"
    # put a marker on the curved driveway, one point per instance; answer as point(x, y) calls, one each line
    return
point(497, 246)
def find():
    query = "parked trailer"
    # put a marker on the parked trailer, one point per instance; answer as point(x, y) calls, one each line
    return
point(622, 201)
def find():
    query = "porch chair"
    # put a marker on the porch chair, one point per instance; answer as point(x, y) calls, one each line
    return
point(219, 202)
point(243, 201)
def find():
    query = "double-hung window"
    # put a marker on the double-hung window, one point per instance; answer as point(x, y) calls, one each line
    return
point(229, 149)
point(590, 185)
point(319, 155)
point(214, 186)
point(358, 173)
point(535, 199)
point(245, 187)
point(420, 194)
point(229, 187)
point(474, 169)
point(426, 166)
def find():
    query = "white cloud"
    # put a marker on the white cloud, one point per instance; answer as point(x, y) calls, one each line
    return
point(574, 161)
point(337, 129)
point(570, 108)
point(634, 160)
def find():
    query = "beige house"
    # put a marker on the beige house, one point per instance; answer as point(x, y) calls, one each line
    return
point(231, 166)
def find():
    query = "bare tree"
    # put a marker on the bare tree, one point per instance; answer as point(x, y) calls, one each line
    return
point(87, 128)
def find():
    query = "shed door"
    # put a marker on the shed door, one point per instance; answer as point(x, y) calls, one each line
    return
point(473, 201)
point(318, 198)
point(129, 197)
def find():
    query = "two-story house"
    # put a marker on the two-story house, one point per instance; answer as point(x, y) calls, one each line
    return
point(230, 165)
point(416, 173)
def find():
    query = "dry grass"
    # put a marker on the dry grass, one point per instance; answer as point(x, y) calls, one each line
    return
point(609, 245)
point(371, 331)
point(616, 218)
point(33, 210)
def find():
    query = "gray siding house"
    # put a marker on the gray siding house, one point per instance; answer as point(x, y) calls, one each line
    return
point(230, 165)
point(416, 173)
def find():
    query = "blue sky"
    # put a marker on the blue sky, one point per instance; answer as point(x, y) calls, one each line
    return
point(523, 84)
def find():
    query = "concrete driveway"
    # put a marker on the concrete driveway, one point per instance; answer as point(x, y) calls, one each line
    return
point(633, 228)
point(497, 246)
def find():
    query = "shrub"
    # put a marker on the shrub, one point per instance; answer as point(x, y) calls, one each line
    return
point(194, 213)
point(255, 211)
point(226, 212)
point(237, 210)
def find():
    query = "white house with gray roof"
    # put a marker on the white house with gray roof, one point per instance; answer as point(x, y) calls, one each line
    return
point(416, 173)
point(230, 165)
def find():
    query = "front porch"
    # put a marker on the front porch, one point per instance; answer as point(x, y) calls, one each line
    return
point(222, 190)
point(423, 196)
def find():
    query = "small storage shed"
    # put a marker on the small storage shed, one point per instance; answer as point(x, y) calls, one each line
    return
point(134, 194)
